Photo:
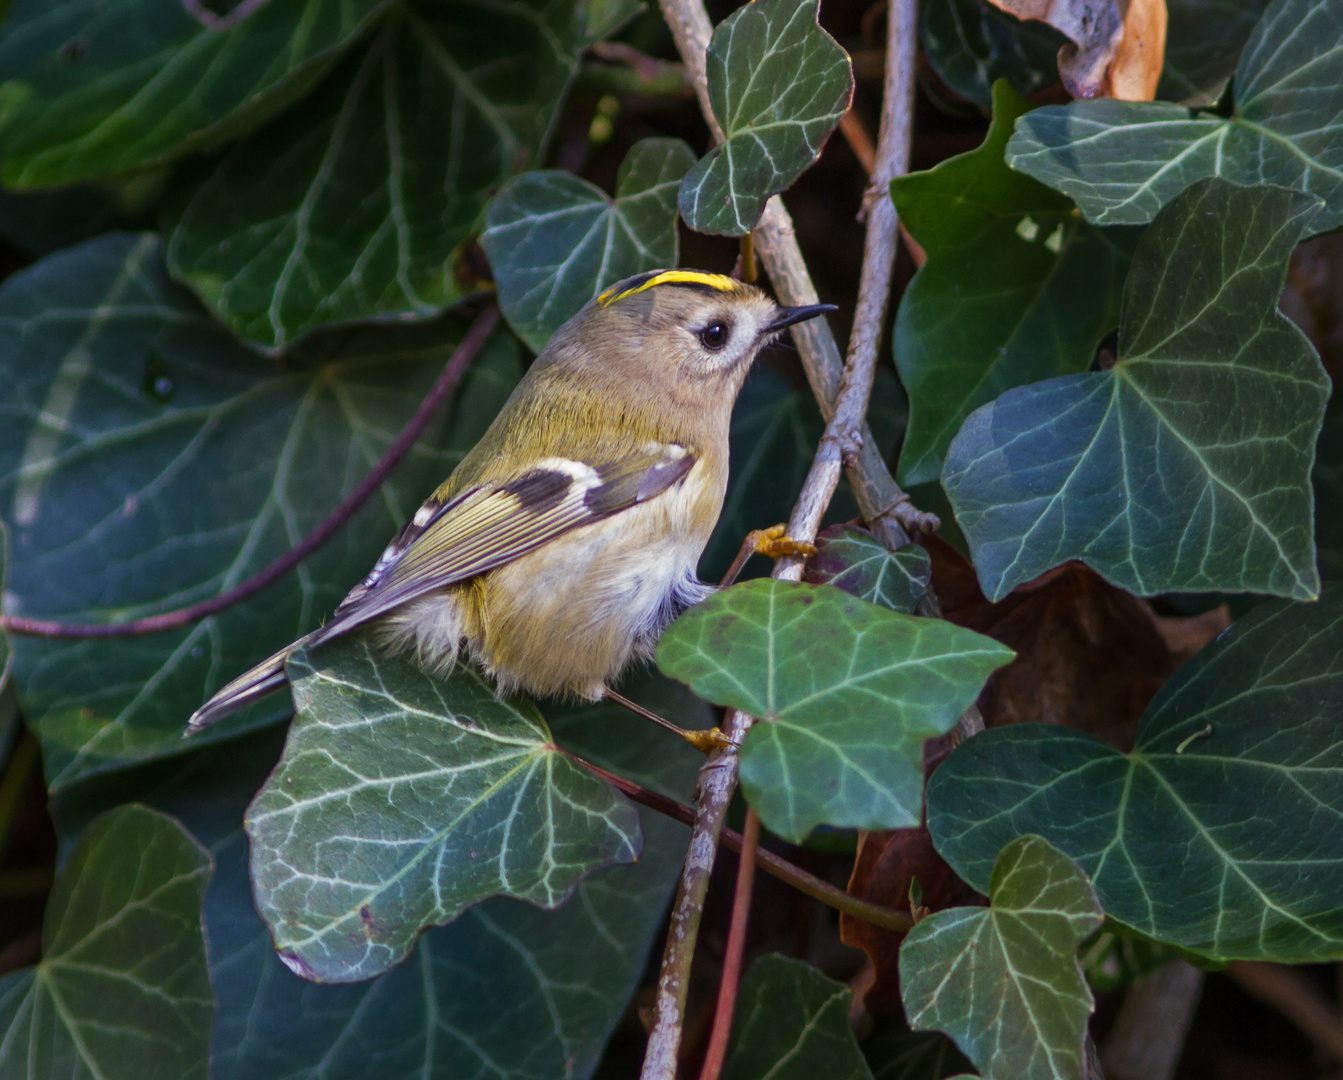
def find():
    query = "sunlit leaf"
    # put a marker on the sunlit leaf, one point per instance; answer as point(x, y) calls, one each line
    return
point(1004, 981)
point(854, 560)
point(89, 89)
point(792, 1023)
point(122, 991)
point(1121, 161)
point(1185, 467)
point(382, 175)
point(1015, 289)
point(778, 84)
point(401, 800)
point(971, 44)
point(148, 461)
point(1184, 837)
point(844, 692)
point(555, 241)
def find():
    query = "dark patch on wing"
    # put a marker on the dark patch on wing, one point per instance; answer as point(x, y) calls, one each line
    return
point(541, 490)
point(626, 488)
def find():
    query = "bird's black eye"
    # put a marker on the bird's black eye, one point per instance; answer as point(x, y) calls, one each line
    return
point(714, 336)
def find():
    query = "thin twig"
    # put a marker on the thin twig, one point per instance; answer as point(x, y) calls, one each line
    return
point(730, 980)
point(842, 395)
point(774, 865)
point(1148, 1034)
point(471, 344)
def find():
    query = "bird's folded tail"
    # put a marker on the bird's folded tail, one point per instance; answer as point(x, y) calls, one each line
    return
point(267, 677)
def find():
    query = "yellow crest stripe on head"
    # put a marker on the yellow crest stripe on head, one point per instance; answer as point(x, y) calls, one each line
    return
point(671, 277)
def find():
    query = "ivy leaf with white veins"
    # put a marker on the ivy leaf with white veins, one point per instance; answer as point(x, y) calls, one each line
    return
point(555, 241)
point(148, 461)
point(854, 560)
point(844, 693)
point(356, 206)
point(972, 44)
point(1186, 466)
point(778, 85)
point(122, 991)
point(1004, 981)
point(91, 89)
point(1222, 831)
point(1015, 289)
point(1121, 161)
point(401, 800)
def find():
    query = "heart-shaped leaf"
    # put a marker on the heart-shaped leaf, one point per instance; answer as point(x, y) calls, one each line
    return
point(792, 1023)
point(148, 461)
point(555, 241)
point(122, 991)
point(1015, 289)
point(384, 173)
point(1204, 39)
point(844, 692)
point(1186, 466)
point(401, 800)
point(1184, 837)
point(971, 44)
point(1004, 981)
point(91, 90)
point(1121, 161)
point(778, 85)
point(854, 560)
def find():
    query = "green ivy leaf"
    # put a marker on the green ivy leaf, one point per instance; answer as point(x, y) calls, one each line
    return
point(778, 85)
point(854, 560)
point(555, 241)
point(122, 991)
point(1185, 467)
point(148, 461)
point(1327, 483)
point(971, 44)
point(1004, 981)
point(384, 174)
point(1121, 161)
point(1204, 39)
point(792, 1023)
point(844, 692)
point(89, 90)
point(1184, 837)
point(1015, 289)
point(401, 800)
point(895, 1053)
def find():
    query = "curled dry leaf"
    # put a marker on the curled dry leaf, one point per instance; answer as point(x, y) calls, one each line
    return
point(1117, 48)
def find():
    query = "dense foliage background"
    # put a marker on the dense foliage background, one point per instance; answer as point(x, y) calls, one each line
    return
point(241, 242)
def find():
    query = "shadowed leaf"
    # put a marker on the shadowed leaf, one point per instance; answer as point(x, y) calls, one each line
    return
point(555, 241)
point(971, 44)
point(1184, 837)
point(1185, 467)
point(122, 991)
point(895, 1053)
point(854, 560)
point(1204, 39)
point(1004, 981)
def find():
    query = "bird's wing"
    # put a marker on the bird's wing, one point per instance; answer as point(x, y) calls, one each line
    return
point(487, 526)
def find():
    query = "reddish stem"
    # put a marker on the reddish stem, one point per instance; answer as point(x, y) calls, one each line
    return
point(472, 342)
point(736, 948)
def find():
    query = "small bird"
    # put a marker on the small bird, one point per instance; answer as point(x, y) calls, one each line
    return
point(568, 538)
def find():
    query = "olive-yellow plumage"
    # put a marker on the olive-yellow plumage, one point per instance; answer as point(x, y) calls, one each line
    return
point(568, 538)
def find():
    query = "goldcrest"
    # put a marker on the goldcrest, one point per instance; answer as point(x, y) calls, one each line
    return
point(568, 538)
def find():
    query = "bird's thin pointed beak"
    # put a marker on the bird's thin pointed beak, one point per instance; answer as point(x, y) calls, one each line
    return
point(790, 315)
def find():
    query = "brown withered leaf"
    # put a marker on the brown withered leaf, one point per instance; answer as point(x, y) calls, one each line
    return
point(1117, 46)
point(1089, 656)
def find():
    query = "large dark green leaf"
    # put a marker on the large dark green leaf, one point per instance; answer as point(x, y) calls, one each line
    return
point(854, 560)
point(1121, 161)
point(147, 461)
point(1222, 832)
point(895, 1053)
point(1004, 981)
point(555, 241)
point(90, 89)
point(122, 991)
point(1204, 39)
point(355, 206)
point(402, 799)
point(845, 692)
point(1327, 483)
point(971, 44)
point(506, 991)
point(778, 84)
point(1015, 289)
point(1186, 466)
